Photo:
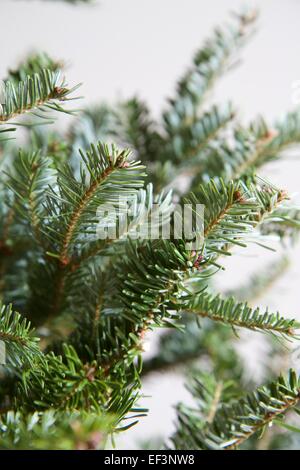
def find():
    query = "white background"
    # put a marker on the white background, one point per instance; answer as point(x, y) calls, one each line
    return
point(118, 48)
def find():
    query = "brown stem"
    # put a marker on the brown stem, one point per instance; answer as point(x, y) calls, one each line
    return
point(215, 402)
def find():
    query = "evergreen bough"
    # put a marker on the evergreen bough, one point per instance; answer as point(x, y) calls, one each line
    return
point(75, 308)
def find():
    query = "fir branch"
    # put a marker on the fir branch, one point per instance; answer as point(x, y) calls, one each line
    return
point(232, 211)
point(14, 243)
point(107, 294)
point(66, 383)
point(34, 63)
point(188, 144)
point(283, 222)
point(247, 149)
point(266, 404)
point(209, 63)
point(107, 178)
point(276, 139)
point(226, 157)
point(43, 387)
point(41, 91)
point(55, 430)
point(237, 420)
point(210, 395)
point(29, 178)
point(239, 314)
point(135, 128)
point(16, 333)
point(156, 276)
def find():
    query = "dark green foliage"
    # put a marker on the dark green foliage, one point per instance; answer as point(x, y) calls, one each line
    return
point(94, 286)
point(54, 430)
point(43, 90)
point(220, 422)
point(33, 64)
point(20, 344)
point(239, 314)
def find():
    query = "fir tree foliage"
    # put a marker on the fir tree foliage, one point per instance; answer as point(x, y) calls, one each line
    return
point(76, 378)
point(35, 93)
point(17, 335)
point(222, 422)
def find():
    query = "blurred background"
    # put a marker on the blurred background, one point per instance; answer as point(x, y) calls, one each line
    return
point(120, 48)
